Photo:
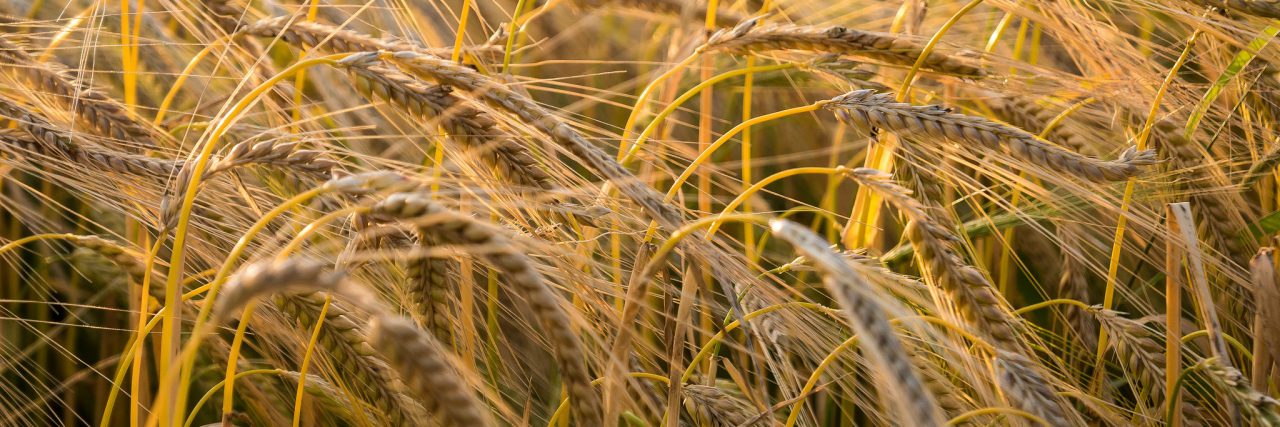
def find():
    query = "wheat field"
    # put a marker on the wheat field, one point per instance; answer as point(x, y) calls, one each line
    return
point(639, 213)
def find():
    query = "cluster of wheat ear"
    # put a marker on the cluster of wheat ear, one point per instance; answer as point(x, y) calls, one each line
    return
point(639, 212)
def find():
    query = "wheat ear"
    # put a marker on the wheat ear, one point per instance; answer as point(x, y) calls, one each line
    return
point(1219, 211)
point(665, 7)
point(1026, 388)
point(430, 291)
point(1136, 346)
point(283, 155)
point(51, 140)
point(897, 49)
point(24, 144)
point(1262, 167)
point(868, 319)
point(267, 278)
point(309, 165)
point(348, 347)
point(128, 260)
point(465, 124)
point(964, 285)
point(1262, 8)
point(1074, 284)
point(501, 97)
point(343, 339)
point(768, 324)
point(333, 39)
point(950, 400)
point(1029, 115)
point(104, 114)
point(711, 406)
point(327, 396)
point(427, 371)
point(454, 228)
point(1264, 409)
point(1266, 320)
point(866, 108)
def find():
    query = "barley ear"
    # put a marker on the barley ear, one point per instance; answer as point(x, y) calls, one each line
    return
point(867, 316)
